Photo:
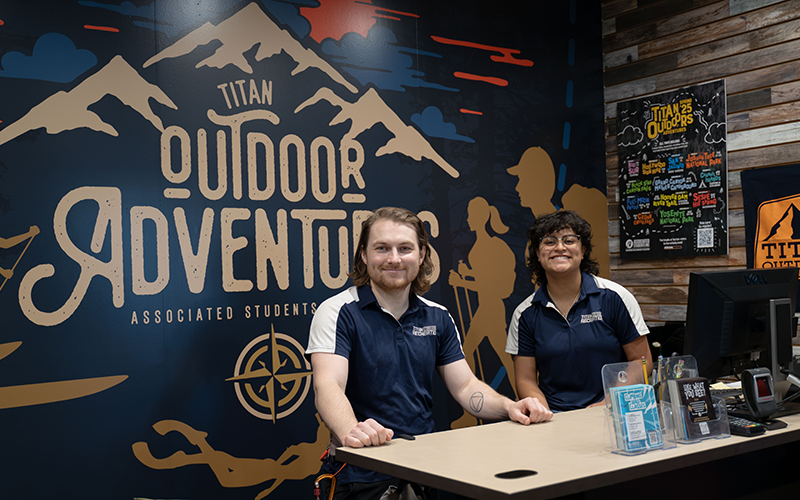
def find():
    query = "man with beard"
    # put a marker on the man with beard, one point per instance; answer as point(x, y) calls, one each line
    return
point(374, 349)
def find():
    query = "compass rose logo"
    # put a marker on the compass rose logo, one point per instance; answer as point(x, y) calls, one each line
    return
point(272, 376)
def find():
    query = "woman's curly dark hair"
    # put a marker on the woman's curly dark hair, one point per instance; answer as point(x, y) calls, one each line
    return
point(552, 223)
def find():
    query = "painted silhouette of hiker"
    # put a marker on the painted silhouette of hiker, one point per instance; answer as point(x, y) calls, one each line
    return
point(490, 274)
point(537, 185)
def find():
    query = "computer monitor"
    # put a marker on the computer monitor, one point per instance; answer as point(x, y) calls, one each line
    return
point(741, 319)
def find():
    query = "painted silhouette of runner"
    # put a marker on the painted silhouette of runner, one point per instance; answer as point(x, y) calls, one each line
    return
point(297, 462)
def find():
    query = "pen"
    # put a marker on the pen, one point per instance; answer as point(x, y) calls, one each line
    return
point(644, 370)
point(658, 374)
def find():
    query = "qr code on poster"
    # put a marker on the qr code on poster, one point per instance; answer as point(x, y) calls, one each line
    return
point(705, 237)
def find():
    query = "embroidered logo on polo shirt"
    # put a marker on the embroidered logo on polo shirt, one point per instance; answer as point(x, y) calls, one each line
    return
point(424, 331)
point(591, 318)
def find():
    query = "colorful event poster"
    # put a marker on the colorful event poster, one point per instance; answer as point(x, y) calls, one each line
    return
point(673, 174)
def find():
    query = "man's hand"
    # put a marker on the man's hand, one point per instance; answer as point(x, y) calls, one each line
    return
point(368, 433)
point(529, 411)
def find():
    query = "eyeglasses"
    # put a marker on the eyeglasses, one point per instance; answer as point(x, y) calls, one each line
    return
point(568, 240)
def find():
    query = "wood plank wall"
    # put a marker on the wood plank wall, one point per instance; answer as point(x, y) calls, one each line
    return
point(652, 46)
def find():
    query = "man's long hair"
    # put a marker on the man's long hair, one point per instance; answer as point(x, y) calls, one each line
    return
point(552, 223)
point(360, 274)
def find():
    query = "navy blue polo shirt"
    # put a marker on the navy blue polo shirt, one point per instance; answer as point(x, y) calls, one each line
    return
point(391, 362)
point(570, 353)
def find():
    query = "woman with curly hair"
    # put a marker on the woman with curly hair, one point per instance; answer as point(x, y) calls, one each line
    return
point(576, 322)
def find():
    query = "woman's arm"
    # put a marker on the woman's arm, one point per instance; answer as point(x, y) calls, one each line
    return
point(527, 379)
point(637, 349)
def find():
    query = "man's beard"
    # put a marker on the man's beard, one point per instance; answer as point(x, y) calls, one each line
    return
point(380, 280)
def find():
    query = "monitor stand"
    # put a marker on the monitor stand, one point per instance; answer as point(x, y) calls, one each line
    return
point(789, 408)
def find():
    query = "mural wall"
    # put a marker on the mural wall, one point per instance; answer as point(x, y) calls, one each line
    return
point(181, 183)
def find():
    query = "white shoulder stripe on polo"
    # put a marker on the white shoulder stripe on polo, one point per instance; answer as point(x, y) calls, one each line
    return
point(322, 334)
point(443, 308)
point(512, 342)
point(628, 299)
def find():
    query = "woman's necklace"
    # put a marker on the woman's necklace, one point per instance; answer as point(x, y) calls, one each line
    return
point(570, 304)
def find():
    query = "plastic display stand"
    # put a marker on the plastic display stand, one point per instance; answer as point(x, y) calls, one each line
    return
point(677, 367)
point(686, 431)
point(635, 424)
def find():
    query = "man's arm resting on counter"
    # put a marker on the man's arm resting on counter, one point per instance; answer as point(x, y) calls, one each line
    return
point(330, 380)
point(483, 402)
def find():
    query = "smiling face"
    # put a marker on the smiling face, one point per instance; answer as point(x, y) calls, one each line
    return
point(392, 256)
point(560, 260)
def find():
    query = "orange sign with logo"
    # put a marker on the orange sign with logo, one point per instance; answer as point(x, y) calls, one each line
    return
point(778, 233)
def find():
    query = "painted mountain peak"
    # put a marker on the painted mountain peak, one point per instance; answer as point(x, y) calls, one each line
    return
point(371, 110)
point(788, 227)
point(240, 33)
point(70, 110)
